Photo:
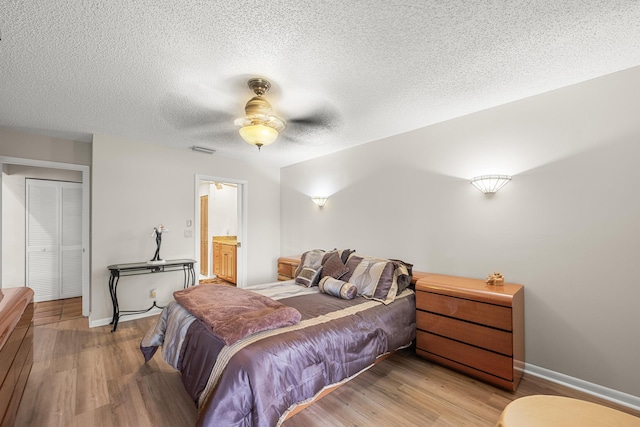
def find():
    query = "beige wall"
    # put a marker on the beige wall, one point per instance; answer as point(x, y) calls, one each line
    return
point(136, 186)
point(567, 226)
point(14, 143)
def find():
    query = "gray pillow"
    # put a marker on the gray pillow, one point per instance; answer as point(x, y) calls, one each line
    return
point(373, 276)
point(338, 288)
point(334, 267)
point(308, 276)
point(312, 258)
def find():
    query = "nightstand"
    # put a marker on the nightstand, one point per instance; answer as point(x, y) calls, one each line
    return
point(469, 326)
point(287, 267)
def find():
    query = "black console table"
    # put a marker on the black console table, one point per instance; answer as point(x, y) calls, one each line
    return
point(117, 270)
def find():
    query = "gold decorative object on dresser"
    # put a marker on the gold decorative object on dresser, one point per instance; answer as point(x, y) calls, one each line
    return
point(472, 327)
point(16, 349)
point(224, 257)
point(287, 267)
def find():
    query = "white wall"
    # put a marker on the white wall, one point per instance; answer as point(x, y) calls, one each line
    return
point(567, 226)
point(14, 216)
point(137, 186)
point(27, 145)
point(222, 208)
point(223, 211)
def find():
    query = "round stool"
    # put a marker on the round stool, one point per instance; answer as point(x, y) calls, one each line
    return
point(557, 411)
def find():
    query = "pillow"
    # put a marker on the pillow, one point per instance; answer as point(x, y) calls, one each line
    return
point(312, 258)
point(334, 267)
point(308, 276)
point(338, 288)
point(403, 273)
point(374, 277)
point(342, 253)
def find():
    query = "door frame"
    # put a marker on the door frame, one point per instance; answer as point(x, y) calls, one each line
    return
point(242, 205)
point(204, 199)
point(86, 188)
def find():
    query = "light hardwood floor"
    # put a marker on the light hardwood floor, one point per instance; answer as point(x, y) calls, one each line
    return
point(54, 311)
point(92, 377)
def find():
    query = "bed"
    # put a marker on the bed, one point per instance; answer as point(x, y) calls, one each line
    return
point(328, 335)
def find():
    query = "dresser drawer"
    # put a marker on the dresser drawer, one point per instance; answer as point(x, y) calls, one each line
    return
point(496, 316)
point(470, 333)
point(482, 360)
point(285, 269)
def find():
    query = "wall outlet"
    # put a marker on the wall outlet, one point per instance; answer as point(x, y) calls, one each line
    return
point(188, 233)
point(152, 294)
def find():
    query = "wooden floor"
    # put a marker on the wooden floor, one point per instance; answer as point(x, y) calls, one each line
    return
point(215, 281)
point(54, 311)
point(92, 377)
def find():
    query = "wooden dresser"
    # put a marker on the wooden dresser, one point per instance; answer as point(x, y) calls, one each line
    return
point(472, 327)
point(287, 267)
point(16, 349)
point(225, 259)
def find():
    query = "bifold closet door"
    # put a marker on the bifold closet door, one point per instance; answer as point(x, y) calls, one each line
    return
point(53, 239)
point(71, 240)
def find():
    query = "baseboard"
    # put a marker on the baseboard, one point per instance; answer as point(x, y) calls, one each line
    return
point(609, 394)
point(102, 322)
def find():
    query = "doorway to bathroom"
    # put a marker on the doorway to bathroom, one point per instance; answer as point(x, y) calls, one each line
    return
point(220, 230)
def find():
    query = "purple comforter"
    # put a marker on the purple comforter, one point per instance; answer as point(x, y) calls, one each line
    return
point(258, 380)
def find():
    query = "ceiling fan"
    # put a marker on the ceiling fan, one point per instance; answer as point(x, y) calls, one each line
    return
point(259, 127)
point(206, 116)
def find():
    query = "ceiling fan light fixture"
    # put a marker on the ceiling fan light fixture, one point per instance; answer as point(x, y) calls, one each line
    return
point(259, 127)
point(258, 134)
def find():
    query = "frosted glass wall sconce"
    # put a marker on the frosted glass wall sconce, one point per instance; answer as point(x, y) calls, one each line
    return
point(320, 201)
point(490, 184)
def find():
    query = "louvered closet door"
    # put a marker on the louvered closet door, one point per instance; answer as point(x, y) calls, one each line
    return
point(54, 239)
point(71, 240)
point(43, 274)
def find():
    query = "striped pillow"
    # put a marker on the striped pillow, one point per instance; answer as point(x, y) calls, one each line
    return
point(375, 278)
point(308, 276)
point(337, 288)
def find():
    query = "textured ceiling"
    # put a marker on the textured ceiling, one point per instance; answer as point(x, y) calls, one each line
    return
point(174, 72)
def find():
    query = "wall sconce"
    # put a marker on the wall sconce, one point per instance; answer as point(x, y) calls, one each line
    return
point(490, 184)
point(320, 201)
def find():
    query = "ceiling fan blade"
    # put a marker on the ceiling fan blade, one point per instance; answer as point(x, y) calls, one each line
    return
point(325, 118)
point(242, 121)
point(313, 128)
point(202, 119)
point(300, 138)
point(183, 113)
point(214, 137)
point(277, 123)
